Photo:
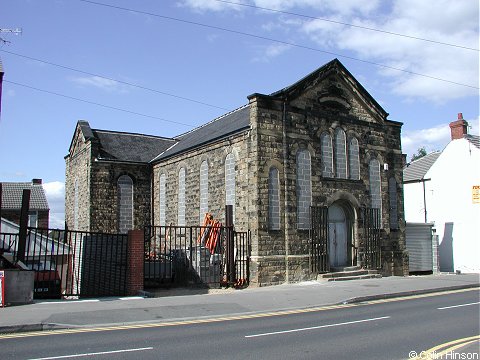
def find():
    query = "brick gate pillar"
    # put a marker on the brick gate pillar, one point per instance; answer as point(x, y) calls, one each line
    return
point(135, 262)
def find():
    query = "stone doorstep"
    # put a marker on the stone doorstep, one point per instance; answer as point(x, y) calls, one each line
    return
point(349, 273)
point(357, 277)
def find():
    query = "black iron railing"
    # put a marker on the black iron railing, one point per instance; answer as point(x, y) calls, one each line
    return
point(71, 263)
point(185, 255)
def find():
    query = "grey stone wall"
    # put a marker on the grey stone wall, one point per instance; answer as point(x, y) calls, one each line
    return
point(213, 188)
point(283, 254)
point(77, 169)
point(104, 205)
point(98, 205)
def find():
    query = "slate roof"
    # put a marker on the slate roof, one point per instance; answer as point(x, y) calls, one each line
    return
point(474, 139)
point(129, 147)
point(228, 124)
point(12, 196)
point(417, 169)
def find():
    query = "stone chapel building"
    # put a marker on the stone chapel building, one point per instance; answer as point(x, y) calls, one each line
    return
point(323, 142)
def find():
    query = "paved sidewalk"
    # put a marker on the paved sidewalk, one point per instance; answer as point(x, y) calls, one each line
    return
point(189, 304)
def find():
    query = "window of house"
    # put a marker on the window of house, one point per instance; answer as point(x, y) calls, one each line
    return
point(340, 154)
point(125, 203)
point(163, 200)
point(375, 186)
point(273, 199)
point(203, 190)
point(230, 181)
point(304, 189)
point(32, 218)
point(327, 155)
point(353, 159)
point(181, 197)
point(392, 194)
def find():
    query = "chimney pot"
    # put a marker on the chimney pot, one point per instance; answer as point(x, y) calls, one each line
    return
point(458, 128)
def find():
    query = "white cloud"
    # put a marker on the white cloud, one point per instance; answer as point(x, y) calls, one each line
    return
point(209, 5)
point(426, 19)
point(101, 83)
point(271, 52)
point(55, 192)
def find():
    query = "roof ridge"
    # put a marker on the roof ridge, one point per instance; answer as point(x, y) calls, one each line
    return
point(212, 121)
point(133, 134)
point(423, 157)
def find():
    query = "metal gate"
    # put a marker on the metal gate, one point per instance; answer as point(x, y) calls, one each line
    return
point(70, 263)
point(196, 255)
point(319, 239)
point(372, 249)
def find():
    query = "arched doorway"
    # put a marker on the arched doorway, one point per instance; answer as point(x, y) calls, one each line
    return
point(339, 236)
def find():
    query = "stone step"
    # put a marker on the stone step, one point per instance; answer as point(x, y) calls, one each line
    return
point(345, 268)
point(358, 277)
point(349, 275)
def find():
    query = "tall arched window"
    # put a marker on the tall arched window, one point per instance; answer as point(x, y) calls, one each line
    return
point(340, 154)
point(375, 186)
point(392, 194)
point(304, 189)
point(273, 199)
point(203, 190)
point(230, 181)
point(163, 200)
point(353, 160)
point(125, 203)
point(327, 155)
point(181, 197)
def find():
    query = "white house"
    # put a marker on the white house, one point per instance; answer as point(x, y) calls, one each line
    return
point(444, 188)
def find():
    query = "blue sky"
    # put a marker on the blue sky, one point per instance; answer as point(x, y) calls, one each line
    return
point(186, 74)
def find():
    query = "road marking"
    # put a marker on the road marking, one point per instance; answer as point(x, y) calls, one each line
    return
point(317, 327)
point(93, 354)
point(457, 306)
point(226, 318)
point(433, 352)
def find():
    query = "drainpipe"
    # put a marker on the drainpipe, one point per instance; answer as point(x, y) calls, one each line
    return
point(285, 190)
point(152, 196)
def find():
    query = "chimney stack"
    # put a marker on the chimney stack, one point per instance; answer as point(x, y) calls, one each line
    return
point(458, 128)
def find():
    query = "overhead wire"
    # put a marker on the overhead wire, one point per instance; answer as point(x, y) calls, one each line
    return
point(112, 79)
point(277, 41)
point(97, 104)
point(346, 24)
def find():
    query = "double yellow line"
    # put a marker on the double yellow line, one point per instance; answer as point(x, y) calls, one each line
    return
point(440, 351)
point(220, 319)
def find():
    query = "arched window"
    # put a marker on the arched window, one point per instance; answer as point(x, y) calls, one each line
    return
point(353, 160)
point(304, 189)
point(392, 194)
point(181, 197)
point(273, 199)
point(340, 154)
point(125, 203)
point(230, 181)
point(163, 200)
point(327, 155)
point(375, 186)
point(203, 190)
point(75, 206)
